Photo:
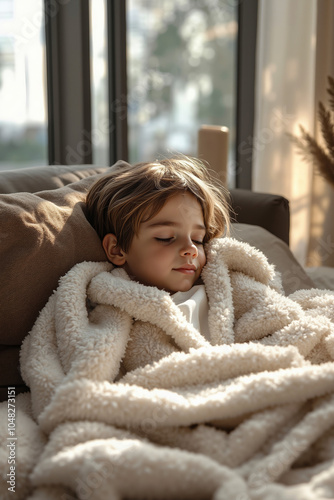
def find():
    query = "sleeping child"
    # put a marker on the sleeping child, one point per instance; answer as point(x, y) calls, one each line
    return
point(154, 220)
point(177, 368)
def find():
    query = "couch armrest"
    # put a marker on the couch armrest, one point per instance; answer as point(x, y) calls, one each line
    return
point(269, 211)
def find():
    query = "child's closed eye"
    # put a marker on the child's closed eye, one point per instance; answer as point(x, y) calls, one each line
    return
point(164, 240)
point(168, 240)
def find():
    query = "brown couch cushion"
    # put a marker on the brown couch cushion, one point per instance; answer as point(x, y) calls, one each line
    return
point(42, 236)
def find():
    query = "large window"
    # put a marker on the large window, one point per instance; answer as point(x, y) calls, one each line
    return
point(23, 116)
point(181, 66)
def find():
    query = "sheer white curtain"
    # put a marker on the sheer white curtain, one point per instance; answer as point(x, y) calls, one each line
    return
point(293, 60)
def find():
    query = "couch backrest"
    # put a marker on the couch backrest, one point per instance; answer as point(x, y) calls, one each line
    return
point(34, 179)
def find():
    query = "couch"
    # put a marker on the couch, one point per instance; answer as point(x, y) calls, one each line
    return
point(44, 232)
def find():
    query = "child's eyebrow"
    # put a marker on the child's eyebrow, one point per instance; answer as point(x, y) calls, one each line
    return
point(173, 223)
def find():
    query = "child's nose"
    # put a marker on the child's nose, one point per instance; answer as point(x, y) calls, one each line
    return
point(190, 249)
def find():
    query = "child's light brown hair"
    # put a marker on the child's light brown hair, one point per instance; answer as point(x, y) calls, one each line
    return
point(129, 195)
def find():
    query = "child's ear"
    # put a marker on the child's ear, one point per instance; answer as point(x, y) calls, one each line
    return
point(114, 252)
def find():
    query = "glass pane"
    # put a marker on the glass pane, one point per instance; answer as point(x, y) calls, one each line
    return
point(23, 100)
point(181, 60)
point(99, 82)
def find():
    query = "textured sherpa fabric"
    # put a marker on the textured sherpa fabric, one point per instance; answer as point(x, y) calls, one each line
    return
point(128, 400)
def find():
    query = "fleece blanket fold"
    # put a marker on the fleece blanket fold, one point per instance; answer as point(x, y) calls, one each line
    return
point(129, 401)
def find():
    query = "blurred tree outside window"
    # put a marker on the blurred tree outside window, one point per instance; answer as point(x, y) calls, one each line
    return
point(181, 64)
point(99, 81)
point(23, 100)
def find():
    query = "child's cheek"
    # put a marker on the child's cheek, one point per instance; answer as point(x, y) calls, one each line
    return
point(202, 255)
point(158, 254)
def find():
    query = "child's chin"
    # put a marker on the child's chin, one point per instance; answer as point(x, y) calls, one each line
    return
point(184, 288)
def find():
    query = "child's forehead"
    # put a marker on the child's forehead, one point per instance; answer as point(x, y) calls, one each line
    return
point(179, 207)
point(182, 199)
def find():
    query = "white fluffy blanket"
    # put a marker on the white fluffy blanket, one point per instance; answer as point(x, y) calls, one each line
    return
point(129, 401)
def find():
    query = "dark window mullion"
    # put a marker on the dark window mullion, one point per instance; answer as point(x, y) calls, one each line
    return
point(52, 84)
point(247, 34)
point(68, 77)
point(118, 109)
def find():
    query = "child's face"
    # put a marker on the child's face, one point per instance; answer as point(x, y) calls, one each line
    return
point(168, 252)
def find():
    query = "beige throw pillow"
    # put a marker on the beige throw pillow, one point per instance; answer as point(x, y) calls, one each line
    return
point(42, 236)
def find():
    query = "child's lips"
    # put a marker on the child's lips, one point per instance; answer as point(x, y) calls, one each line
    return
point(187, 269)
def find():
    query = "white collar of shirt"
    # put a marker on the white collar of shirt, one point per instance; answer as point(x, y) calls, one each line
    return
point(194, 305)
